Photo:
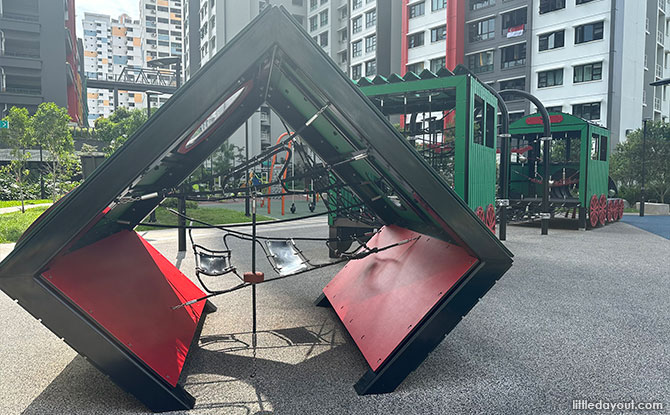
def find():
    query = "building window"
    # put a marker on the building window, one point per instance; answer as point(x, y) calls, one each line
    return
point(480, 62)
point(547, 6)
point(519, 83)
point(323, 39)
point(480, 4)
point(516, 19)
point(482, 30)
point(550, 78)
point(313, 23)
point(370, 43)
point(555, 108)
point(356, 4)
point(415, 67)
point(437, 64)
point(313, 4)
point(588, 111)
point(588, 32)
point(438, 33)
point(323, 17)
point(438, 4)
point(415, 40)
point(371, 67)
point(371, 18)
point(343, 35)
point(552, 40)
point(357, 48)
point(512, 56)
point(588, 72)
point(357, 24)
point(324, 2)
point(298, 2)
point(583, 1)
point(356, 71)
point(417, 10)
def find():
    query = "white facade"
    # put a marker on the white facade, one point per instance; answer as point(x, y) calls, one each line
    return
point(363, 38)
point(570, 94)
point(657, 59)
point(109, 46)
point(327, 21)
point(431, 26)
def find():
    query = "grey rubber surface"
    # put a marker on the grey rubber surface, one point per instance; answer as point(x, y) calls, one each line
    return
point(581, 315)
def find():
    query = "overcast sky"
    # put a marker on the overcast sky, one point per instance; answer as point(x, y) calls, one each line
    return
point(111, 7)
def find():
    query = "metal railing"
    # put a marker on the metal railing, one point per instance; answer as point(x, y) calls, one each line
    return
point(22, 17)
point(35, 54)
point(23, 91)
point(148, 76)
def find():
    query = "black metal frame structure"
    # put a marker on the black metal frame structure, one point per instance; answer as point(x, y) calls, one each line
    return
point(273, 60)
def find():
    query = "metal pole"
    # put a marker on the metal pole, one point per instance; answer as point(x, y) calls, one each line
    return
point(545, 215)
point(181, 221)
point(152, 216)
point(644, 156)
point(42, 195)
point(504, 183)
point(246, 177)
point(253, 286)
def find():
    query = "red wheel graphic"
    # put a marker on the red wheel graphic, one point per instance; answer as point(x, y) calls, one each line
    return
point(480, 213)
point(602, 216)
point(610, 211)
point(621, 209)
point(491, 217)
point(593, 211)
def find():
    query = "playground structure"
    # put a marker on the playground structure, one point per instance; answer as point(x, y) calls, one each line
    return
point(89, 278)
point(451, 121)
point(579, 183)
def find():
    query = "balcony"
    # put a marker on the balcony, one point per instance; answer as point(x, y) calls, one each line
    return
point(25, 53)
point(23, 91)
point(660, 38)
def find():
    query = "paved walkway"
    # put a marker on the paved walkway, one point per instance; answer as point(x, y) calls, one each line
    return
point(18, 208)
point(659, 225)
point(580, 315)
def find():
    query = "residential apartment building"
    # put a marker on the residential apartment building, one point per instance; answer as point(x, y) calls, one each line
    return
point(162, 34)
point(328, 24)
point(375, 37)
point(39, 55)
point(110, 45)
point(424, 35)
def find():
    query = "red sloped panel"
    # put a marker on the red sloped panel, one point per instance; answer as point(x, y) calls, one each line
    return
point(381, 298)
point(129, 288)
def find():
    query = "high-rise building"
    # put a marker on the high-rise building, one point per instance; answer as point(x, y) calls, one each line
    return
point(656, 58)
point(375, 37)
point(328, 24)
point(38, 56)
point(110, 45)
point(162, 34)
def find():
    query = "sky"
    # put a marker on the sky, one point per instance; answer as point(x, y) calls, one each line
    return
point(111, 7)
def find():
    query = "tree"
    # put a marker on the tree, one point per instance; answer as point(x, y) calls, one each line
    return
point(120, 125)
point(52, 132)
point(18, 137)
point(626, 163)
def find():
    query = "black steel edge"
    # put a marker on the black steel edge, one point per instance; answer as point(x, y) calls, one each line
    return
point(97, 346)
point(439, 322)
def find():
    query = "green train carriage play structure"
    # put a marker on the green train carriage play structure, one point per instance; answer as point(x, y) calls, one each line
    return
point(579, 183)
point(451, 120)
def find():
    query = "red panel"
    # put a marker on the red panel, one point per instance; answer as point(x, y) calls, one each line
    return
point(381, 298)
point(554, 119)
point(455, 33)
point(129, 288)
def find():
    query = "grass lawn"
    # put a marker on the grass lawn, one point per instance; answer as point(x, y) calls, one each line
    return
point(215, 216)
point(10, 203)
point(13, 224)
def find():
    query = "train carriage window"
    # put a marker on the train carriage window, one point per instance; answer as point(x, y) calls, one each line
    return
point(603, 148)
point(595, 144)
point(490, 125)
point(478, 124)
